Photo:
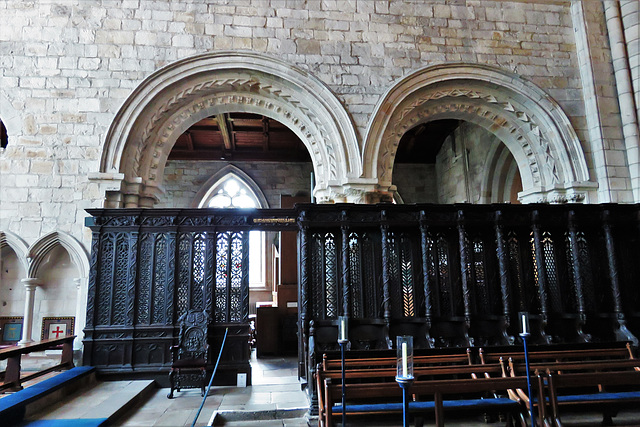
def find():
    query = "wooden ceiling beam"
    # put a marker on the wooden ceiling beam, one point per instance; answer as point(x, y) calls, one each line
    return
point(189, 140)
point(265, 133)
point(225, 129)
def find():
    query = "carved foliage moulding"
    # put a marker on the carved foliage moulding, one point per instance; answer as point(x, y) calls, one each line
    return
point(154, 138)
point(407, 118)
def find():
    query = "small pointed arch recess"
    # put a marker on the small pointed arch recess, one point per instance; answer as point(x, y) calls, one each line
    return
point(39, 250)
point(18, 245)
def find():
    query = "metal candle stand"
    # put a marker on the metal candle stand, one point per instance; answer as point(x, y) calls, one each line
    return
point(404, 372)
point(524, 322)
point(343, 339)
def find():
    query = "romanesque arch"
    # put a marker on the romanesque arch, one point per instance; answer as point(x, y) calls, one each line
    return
point(530, 123)
point(173, 98)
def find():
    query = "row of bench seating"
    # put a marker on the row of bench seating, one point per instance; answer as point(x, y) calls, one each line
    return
point(488, 381)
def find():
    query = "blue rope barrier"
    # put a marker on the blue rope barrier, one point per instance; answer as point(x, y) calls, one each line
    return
point(211, 380)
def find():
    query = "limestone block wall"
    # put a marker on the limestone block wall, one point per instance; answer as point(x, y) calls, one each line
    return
point(457, 181)
point(416, 183)
point(68, 66)
point(184, 179)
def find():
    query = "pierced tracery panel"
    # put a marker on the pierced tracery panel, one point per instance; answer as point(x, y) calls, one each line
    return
point(222, 262)
point(555, 297)
point(121, 279)
point(103, 297)
point(160, 281)
point(317, 276)
point(146, 264)
point(355, 274)
point(235, 277)
point(431, 287)
point(445, 297)
point(516, 277)
point(331, 276)
point(324, 272)
point(395, 281)
point(198, 273)
point(484, 303)
point(372, 286)
point(231, 282)
point(406, 267)
point(588, 276)
point(184, 270)
point(569, 301)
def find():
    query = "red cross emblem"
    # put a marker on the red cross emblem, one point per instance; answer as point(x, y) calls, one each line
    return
point(57, 331)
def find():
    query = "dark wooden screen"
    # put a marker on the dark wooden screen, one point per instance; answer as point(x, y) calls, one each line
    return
point(450, 275)
point(458, 275)
point(148, 267)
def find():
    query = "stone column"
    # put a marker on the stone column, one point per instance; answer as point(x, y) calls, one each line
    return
point(77, 342)
point(30, 286)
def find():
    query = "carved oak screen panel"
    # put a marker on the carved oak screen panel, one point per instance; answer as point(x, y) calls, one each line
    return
point(485, 285)
point(404, 268)
point(117, 271)
point(325, 275)
point(148, 267)
point(366, 289)
point(524, 298)
point(156, 267)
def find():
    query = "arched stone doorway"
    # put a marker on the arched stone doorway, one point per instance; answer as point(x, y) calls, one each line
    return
point(60, 268)
point(172, 99)
point(531, 125)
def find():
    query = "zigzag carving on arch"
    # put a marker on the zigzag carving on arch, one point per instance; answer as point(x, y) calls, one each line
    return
point(244, 94)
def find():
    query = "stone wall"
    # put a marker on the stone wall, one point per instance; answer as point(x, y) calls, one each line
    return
point(184, 179)
point(68, 66)
point(458, 182)
point(416, 183)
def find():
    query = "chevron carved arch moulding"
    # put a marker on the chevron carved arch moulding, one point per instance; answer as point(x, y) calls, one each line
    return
point(529, 122)
point(172, 99)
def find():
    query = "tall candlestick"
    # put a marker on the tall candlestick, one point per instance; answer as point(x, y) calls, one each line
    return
point(343, 329)
point(404, 359)
point(524, 324)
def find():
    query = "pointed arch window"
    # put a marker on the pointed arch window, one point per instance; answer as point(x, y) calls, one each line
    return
point(232, 192)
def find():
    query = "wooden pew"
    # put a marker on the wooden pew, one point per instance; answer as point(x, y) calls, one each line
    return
point(588, 380)
point(438, 389)
point(376, 365)
point(618, 350)
point(332, 363)
point(557, 359)
point(360, 375)
point(591, 395)
point(13, 354)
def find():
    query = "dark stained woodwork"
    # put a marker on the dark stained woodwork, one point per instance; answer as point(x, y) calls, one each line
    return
point(239, 136)
point(450, 275)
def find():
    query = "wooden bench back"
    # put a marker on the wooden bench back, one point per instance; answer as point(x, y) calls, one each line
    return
point(487, 355)
point(419, 372)
point(329, 363)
